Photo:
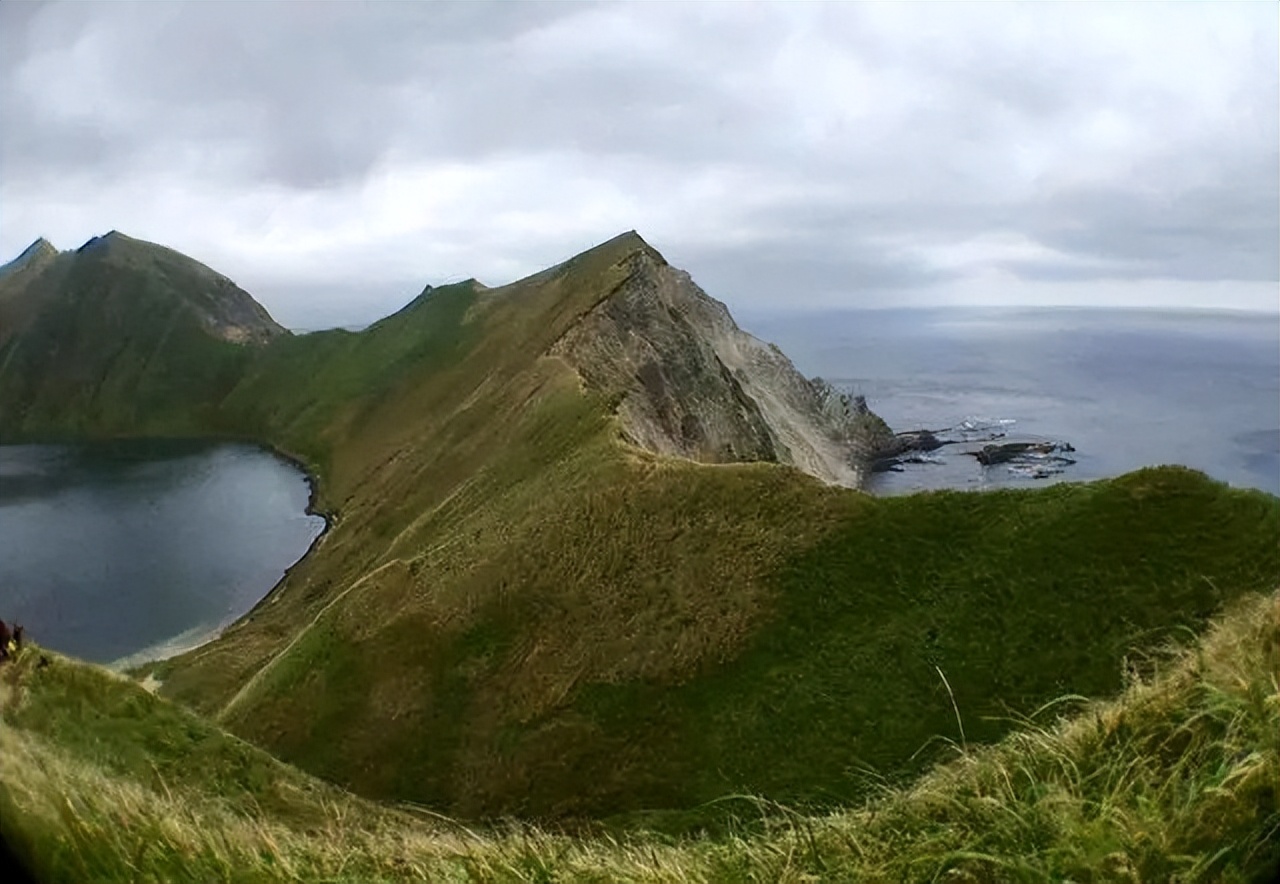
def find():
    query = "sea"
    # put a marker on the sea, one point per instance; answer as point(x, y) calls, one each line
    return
point(1124, 389)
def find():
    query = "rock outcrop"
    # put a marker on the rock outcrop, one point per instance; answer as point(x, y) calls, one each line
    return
point(690, 383)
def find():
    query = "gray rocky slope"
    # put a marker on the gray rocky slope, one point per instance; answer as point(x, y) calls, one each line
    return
point(691, 383)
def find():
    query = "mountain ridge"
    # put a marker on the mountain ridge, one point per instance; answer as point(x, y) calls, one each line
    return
point(39, 251)
point(781, 416)
point(533, 600)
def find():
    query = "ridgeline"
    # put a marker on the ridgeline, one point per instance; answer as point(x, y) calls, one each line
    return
point(596, 556)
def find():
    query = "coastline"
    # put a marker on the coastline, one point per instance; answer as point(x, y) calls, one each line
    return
point(141, 663)
point(202, 634)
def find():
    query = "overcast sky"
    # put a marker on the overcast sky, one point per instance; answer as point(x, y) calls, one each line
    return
point(333, 159)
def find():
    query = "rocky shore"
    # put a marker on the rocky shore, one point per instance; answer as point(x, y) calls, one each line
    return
point(988, 443)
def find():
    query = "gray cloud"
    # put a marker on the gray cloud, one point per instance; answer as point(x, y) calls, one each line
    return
point(332, 154)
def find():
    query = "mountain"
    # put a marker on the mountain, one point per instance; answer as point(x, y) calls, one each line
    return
point(118, 336)
point(691, 383)
point(33, 257)
point(591, 550)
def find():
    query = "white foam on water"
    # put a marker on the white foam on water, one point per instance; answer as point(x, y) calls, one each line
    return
point(185, 641)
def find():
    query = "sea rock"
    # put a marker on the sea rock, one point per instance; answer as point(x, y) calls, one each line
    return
point(1004, 452)
point(691, 383)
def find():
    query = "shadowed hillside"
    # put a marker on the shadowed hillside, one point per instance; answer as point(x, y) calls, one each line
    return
point(119, 337)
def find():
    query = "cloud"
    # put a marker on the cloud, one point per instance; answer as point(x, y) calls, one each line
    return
point(328, 155)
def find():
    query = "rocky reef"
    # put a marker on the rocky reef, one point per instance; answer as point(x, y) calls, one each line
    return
point(987, 442)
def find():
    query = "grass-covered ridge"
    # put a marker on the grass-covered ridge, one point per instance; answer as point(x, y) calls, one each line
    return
point(516, 612)
point(1177, 779)
point(614, 632)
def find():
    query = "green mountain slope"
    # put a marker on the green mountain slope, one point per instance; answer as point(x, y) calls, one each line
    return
point(1175, 780)
point(120, 337)
point(531, 601)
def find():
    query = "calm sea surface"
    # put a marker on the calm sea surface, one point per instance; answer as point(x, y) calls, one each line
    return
point(1126, 388)
point(135, 549)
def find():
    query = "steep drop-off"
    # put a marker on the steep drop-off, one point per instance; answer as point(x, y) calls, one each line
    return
point(693, 384)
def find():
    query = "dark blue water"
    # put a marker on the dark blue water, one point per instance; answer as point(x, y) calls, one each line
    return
point(1127, 388)
point(139, 549)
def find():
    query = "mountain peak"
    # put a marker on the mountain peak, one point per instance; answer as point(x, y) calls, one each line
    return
point(625, 244)
point(108, 239)
point(129, 270)
point(611, 251)
point(40, 246)
point(40, 251)
point(691, 383)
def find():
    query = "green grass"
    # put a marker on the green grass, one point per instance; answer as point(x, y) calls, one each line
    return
point(1177, 779)
point(515, 612)
point(584, 635)
point(996, 602)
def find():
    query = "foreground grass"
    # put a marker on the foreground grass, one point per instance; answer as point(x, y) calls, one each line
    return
point(1177, 779)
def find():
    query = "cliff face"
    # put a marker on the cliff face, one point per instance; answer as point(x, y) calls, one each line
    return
point(691, 383)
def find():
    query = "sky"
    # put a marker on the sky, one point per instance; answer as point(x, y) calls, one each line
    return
point(334, 158)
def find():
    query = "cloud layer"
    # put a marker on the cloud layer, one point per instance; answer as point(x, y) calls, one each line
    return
point(335, 158)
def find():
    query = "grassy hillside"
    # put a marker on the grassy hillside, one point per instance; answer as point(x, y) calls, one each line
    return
point(515, 612)
point(121, 337)
point(582, 642)
point(1178, 779)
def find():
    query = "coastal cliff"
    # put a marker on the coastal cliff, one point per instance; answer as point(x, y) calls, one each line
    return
point(691, 383)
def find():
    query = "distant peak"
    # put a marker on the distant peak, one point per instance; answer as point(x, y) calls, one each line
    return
point(41, 245)
point(113, 238)
point(37, 252)
point(630, 241)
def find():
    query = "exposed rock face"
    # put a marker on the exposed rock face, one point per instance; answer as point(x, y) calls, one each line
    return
point(691, 383)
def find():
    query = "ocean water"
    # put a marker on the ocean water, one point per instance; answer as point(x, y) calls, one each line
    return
point(1126, 389)
point(125, 551)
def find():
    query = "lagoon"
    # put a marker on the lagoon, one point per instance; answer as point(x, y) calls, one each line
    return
point(125, 551)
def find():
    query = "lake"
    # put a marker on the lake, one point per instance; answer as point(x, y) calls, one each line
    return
point(125, 551)
point(1126, 389)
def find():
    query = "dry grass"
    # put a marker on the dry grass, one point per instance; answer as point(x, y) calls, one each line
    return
point(1175, 780)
